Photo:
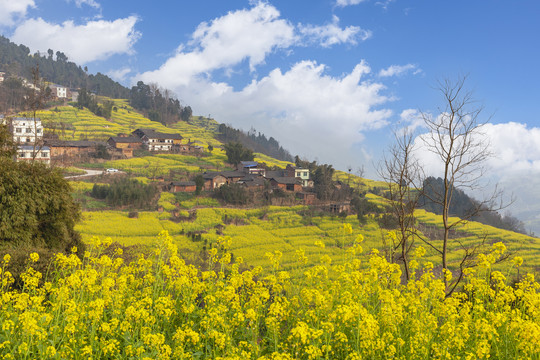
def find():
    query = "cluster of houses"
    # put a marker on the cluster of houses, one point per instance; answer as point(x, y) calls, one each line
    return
point(150, 140)
point(251, 176)
point(28, 134)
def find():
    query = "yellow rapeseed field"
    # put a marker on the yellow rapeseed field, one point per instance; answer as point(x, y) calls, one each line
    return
point(158, 307)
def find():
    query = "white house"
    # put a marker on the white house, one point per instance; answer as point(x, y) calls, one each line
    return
point(59, 91)
point(2, 76)
point(26, 130)
point(34, 153)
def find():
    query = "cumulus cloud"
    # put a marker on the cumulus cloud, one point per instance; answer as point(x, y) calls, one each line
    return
point(224, 42)
point(91, 3)
point(397, 70)
point(312, 113)
point(119, 74)
point(10, 10)
point(332, 34)
point(344, 3)
point(95, 40)
point(411, 119)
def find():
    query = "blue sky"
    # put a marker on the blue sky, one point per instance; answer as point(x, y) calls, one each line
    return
point(327, 78)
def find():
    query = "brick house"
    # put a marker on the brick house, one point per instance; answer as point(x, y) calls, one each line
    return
point(308, 198)
point(286, 183)
point(125, 145)
point(182, 186)
point(62, 150)
point(213, 180)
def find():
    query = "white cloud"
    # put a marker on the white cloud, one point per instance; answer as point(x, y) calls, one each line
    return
point(344, 3)
point(225, 42)
point(311, 112)
point(12, 9)
point(95, 40)
point(91, 3)
point(397, 70)
point(119, 74)
point(332, 34)
point(411, 119)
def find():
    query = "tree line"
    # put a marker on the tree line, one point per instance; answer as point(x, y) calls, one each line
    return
point(255, 141)
point(17, 61)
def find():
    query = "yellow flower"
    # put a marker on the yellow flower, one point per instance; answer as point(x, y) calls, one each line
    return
point(518, 261)
point(34, 257)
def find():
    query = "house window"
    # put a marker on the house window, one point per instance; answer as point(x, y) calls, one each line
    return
point(27, 139)
point(28, 130)
point(290, 187)
point(18, 130)
point(44, 154)
point(38, 131)
point(21, 155)
point(305, 173)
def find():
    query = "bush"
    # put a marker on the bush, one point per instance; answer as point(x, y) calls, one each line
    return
point(36, 207)
point(125, 191)
point(232, 194)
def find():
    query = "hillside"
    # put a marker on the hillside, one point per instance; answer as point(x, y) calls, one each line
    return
point(253, 231)
point(16, 60)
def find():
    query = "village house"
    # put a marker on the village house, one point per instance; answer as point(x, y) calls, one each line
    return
point(156, 141)
point(308, 198)
point(232, 176)
point(252, 182)
point(125, 145)
point(213, 180)
point(182, 186)
point(286, 183)
point(59, 91)
point(62, 150)
point(34, 153)
point(340, 207)
point(2, 76)
point(26, 130)
point(251, 167)
point(301, 173)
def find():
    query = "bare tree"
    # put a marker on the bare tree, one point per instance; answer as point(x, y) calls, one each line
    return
point(456, 138)
point(403, 174)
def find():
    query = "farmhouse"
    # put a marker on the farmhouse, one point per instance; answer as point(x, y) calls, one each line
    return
point(213, 180)
point(125, 145)
point(309, 198)
point(156, 141)
point(286, 183)
point(63, 150)
point(182, 186)
point(301, 173)
point(251, 167)
point(34, 153)
point(59, 91)
point(26, 130)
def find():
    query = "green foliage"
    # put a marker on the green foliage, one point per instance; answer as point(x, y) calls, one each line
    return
point(199, 183)
point(236, 152)
point(256, 142)
point(232, 194)
point(126, 192)
point(8, 147)
point(36, 207)
point(322, 179)
point(158, 104)
point(89, 101)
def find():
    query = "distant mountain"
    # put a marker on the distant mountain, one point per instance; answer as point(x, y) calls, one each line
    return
point(16, 60)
